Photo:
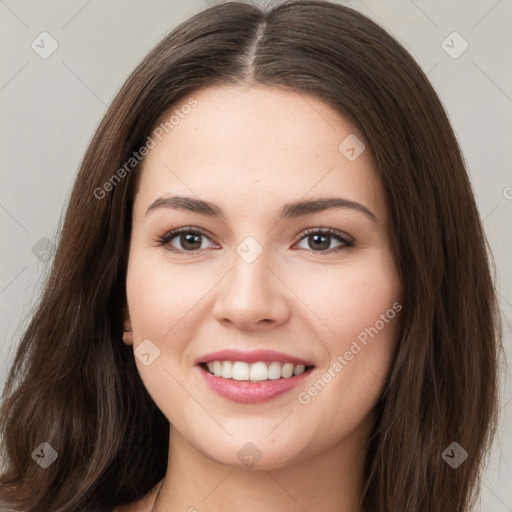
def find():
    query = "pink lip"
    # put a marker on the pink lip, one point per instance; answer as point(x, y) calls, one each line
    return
point(253, 356)
point(251, 392)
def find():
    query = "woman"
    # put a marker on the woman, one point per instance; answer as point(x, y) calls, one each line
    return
point(329, 339)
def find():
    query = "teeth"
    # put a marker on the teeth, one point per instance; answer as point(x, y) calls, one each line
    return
point(274, 371)
point(239, 370)
point(297, 370)
point(287, 370)
point(258, 371)
point(227, 370)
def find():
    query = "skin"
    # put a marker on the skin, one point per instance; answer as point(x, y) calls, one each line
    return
point(250, 149)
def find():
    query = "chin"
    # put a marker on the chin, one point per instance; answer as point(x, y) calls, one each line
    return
point(264, 455)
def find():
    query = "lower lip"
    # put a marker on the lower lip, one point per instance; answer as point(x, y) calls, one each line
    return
point(251, 392)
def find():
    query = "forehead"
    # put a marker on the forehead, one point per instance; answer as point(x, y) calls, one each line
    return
point(260, 142)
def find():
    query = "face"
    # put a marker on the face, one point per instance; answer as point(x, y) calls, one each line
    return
point(249, 272)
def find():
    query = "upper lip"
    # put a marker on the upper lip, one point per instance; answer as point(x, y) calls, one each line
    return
point(252, 356)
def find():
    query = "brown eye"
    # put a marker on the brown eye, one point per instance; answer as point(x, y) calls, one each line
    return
point(319, 240)
point(188, 240)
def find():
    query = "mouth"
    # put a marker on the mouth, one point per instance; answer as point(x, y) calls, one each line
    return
point(251, 383)
point(259, 371)
point(252, 377)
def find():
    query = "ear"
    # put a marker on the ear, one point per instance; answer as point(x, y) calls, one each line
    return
point(127, 327)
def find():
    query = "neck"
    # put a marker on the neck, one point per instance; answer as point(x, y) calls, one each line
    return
point(329, 482)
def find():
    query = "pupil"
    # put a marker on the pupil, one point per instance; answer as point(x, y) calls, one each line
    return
point(189, 239)
point(325, 242)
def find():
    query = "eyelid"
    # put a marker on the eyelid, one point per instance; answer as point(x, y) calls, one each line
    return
point(336, 233)
point(344, 238)
point(169, 235)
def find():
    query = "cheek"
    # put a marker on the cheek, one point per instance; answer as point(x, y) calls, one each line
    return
point(360, 313)
point(161, 296)
point(346, 300)
point(161, 304)
point(364, 309)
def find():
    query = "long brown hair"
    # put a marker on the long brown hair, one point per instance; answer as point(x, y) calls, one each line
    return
point(74, 384)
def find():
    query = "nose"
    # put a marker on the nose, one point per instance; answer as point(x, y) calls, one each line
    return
point(252, 296)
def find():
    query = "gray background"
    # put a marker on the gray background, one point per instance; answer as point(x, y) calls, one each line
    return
point(51, 107)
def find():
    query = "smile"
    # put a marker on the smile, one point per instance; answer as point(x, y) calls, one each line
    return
point(255, 372)
point(248, 391)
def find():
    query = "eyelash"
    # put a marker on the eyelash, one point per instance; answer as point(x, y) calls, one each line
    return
point(347, 242)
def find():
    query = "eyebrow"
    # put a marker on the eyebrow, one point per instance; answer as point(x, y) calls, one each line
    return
point(288, 211)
